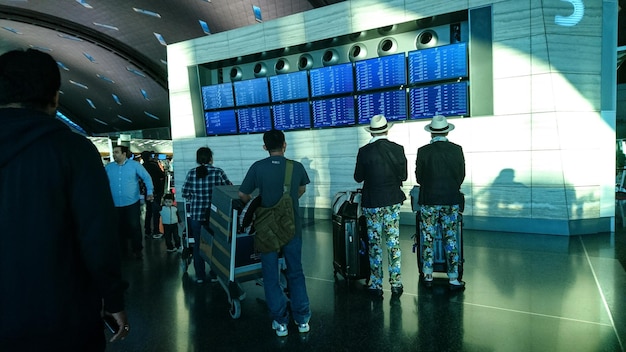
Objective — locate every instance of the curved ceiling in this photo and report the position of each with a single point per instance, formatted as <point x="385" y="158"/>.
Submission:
<point x="112" y="53"/>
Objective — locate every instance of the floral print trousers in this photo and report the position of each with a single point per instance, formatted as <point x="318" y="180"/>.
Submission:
<point x="384" y="222"/>
<point x="444" y="218"/>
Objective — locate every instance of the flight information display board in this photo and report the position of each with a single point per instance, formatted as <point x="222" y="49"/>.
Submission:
<point x="290" y="86"/>
<point x="252" y="91"/>
<point x="444" y="99"/>
<point x="253" y="120"/>
<point x="380" y="72"/>
<point x="218" y="96"/>
<point x="332" y="80"/>
<point x="333" y="112"/>
<point x="220" y="122"/>
<point x="292" y="116"/>
<point x="391" y="104"/>
<point x="439" y="63"/>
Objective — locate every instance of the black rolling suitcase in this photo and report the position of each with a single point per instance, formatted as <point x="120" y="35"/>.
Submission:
<point x="350" y="243"/>
<point x="440" y="264"/>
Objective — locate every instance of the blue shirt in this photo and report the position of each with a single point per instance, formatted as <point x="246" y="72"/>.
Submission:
<point x="124" y="182"/>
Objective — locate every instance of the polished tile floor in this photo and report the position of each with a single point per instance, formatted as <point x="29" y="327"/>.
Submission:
<point x="524" y="293"/>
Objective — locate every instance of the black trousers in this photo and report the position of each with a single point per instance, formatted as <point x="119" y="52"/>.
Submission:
<point x="151" y="224"/>
<point x="129" y="225"/>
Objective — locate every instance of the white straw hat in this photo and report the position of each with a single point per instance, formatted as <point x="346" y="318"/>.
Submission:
<point x="439" y="124"/>
<point x="378" y="124"/>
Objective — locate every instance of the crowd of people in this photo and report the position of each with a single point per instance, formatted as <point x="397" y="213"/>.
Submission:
<point x="78" y="258"/>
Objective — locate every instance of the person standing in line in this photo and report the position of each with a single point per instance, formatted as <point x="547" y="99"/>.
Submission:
<point x="124" y="175"/>
<point x="198" y="191"/>
<point x="268" y="176"/>
<point x="381" y="166"/>
<point x="169" y="215"/>
<point x="440" y="171"/>
<point x="151" y="223"/>
<point x="59" y="264"/>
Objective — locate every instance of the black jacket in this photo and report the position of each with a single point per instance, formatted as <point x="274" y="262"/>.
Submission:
<point x="59" y="250"/>
<point x="440" y="171"/>
<point x="381" y="166"/>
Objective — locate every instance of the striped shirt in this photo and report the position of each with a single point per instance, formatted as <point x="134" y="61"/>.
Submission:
<point x="199" y="191"/>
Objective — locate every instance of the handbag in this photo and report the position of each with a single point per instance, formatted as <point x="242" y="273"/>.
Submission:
<point x="275" y="226"/>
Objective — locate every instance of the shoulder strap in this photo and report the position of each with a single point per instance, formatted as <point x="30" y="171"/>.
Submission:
<point x="288" y="173"/>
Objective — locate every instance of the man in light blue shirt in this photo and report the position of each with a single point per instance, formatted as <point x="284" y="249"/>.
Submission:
<point x="124" y="175"/>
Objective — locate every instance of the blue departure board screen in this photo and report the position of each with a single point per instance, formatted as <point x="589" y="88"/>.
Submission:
<point x="333" y="112"/>
<point x="381" y="72"/>
<point x="439" y="63"/>
<point x="220" y="122"/>
<point x="331" y="80"/>
<point x="290" y="86"/>
<point x="444" y="99"/>
<point x="254" y="119"/>
<point x="252" y="91"/>
<point x="292" y="116"/>
<point x="391" y="104"/>
<point x="218" y="96"/>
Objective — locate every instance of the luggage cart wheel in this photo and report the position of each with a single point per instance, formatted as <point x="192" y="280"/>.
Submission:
<point x="235" y="308"/>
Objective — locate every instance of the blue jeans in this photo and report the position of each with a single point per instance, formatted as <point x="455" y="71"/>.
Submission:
<point x="274" y="295"/>
<point x="198" y="262"/>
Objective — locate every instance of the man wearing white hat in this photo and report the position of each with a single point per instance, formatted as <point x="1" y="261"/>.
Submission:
<point x="381" y="166"/>
<point x="440" y="171"/>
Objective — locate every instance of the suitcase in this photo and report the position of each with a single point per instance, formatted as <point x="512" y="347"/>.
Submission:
<point x="440" y="264"/>
<point x="350" y="242"/>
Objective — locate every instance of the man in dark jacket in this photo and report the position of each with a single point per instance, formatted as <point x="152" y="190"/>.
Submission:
<point x="440" y="171"/>
<point x="59" y="255"/>
<point x="381" y="166"/>
<point x="151" y="224"/>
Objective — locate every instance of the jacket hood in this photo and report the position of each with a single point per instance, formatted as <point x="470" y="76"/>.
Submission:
<point x="23" y="127"/>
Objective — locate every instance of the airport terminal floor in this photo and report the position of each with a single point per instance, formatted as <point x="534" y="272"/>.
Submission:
<point x="524" y="292"/>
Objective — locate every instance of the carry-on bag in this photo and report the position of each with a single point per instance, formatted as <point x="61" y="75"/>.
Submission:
<point x="350" y="242"/>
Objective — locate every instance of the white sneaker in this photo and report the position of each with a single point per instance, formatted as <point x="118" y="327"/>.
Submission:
<point x="281" y="329"/>
<point x="156" y="236"/>
<point x="304" y="327"/>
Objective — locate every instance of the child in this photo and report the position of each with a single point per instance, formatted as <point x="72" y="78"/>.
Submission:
<point x="169" y="217"/>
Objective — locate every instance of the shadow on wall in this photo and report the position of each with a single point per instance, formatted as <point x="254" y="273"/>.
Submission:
<point x="504" y="197"/>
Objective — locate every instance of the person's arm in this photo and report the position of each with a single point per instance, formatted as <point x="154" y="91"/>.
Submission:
<point x="301" y="190"/>
<point x="359" y="173"/>
<point x="245" y="198"/>
<point x="147" y="180"/>
<point x="94" y="222"/>
<point x="403" y="166"/>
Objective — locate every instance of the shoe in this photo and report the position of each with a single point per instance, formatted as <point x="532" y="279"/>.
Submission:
<point x="456" y="284"/>
<point x="281" y="329"/>
<point x="428" y="280"/>
<point x="199" y="281"/>
<point x="396" y="291"/>
<point x="172" y="250"/>
<point x="212" y="276"/>
<point x="157" y="236"/>
<point x="304" y="327"/>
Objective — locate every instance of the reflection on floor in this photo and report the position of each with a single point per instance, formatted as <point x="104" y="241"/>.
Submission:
<point x="524" y="293"/>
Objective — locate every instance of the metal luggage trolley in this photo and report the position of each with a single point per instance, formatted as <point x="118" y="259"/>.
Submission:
<point x="234" y="262"/>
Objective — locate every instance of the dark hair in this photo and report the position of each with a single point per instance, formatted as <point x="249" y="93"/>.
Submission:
<point x="274" y="140"/>
<point x="204" y="155"/>
<point x="124" y="150"/>
<point x="146" y="155"/>
<point x="168" y="196"/>
<point x="29" y="77"/>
